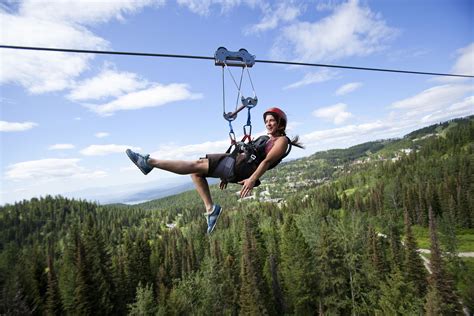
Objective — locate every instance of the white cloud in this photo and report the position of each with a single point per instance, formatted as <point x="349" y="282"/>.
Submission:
<point x="49" y="169"/>
<point x="430" y="106"/>
<point x="343" y="136"/>
<point x="101" y="134"/>
<point x="203" y="7"/>
<point x="60" y="24"/>
<point x="433" y="99"/>
<point x="102" y="150"/>
<point x="109" y="83"/>
<point x="61" y="146"/>
<point x="465" y="63"/>
<point x="90" y="175"/>
<point x="157" y="95"/>
<point x="284" y="12"/>
<point x="186" y="152"/>
<point x="40" y="72"/>
<point x="467" y="103"/>
<point x="348" y="88"/>
<point x="460" y="109"/>
<point x="325" y="5"/>
<point x="83" y="12"/>
<point x="313" y="77"/>
<point x="336" y="113"/>
<point x="16" y="126"/>
<point x="351" y="30"/>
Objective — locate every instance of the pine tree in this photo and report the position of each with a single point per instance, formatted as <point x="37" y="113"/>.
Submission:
<point x="413" y="266"/>
<point x="277" y="291"/>
<point x="121" y="283"/>
<point x="441" y="283"/>
<point x="17" y="304"/>
<point x="297" y="266"/>
<point x="455" y="265"/>
<point x="144" y="304"/>
<point x="433" y="304"/>
<point x="100" y="263"/>
<point x="68" y="272"/>
<point x="467" y="289"/>
<point x="33" y="279"/>
<point x="229" y="286"/>
<point x="464" y="201"/>
<point x="53" y="297"/>
<point x="172" y="258"/>
<point x="189" y="258"/>
<point x="137" y="263"/>
<point x="252" y="289"/>
<point x="86" y="299"/>
<point x="376" y="253"/>
<point x="394" y="239"/>
<point x="399" y="297"/>
<point x="350" y="235"/>
<point x="163" y="287"/>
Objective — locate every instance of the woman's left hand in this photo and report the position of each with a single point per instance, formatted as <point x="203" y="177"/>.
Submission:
<point x="248" y="185"/>
<point x="223" y="185"/>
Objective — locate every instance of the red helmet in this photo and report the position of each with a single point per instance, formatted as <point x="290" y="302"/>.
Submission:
<point x="277" y="112"/>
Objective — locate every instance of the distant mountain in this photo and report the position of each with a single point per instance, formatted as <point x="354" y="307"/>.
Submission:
<point x="134" y="193"/>
<point x="156" y="193"/>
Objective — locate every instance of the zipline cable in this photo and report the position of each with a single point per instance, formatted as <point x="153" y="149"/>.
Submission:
<point x="86" y="51"/>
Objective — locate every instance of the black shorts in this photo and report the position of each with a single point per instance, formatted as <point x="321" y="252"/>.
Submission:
<point x="232" y="170"/>
<point x="220" y="166"/>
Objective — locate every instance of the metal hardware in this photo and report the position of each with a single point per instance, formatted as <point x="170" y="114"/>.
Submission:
<point x="242" y="58"/>
<point x="249" y="102"/>
<point x="246" y="103"/>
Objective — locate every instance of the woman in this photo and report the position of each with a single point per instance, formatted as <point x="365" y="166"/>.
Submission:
<point x="222" y="165"/>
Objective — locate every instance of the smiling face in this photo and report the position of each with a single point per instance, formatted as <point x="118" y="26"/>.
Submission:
<point x="271" y="123"/>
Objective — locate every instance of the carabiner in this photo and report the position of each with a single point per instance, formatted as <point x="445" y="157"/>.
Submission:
<point x="247" y="135"/>
<point x="233" y="141"/>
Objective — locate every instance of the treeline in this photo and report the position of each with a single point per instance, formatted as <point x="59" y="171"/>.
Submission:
<point x="350" y="154"/>
<point x="312" y="258"/>
<point x="345" y="247"/>
<point x="440" y="174"/>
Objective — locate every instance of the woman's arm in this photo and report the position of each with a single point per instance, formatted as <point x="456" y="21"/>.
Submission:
<point x="277" y="151"/>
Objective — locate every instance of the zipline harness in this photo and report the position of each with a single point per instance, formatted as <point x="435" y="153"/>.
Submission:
<point x="247" y="154"/>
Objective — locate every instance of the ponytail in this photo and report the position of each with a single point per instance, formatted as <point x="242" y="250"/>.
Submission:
<point x="295" y="141"/>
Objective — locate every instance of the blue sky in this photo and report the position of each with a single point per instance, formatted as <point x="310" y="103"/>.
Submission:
<point x="66" y="119"/>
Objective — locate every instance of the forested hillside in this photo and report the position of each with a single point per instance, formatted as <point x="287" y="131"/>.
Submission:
<point x="333" y="233"/>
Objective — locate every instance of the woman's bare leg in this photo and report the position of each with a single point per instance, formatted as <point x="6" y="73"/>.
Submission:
<point x="202" y="188"/>
<point x="197" y="169"/>
<point x="200" y="166"/>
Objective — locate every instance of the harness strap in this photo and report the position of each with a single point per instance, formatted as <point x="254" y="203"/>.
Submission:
<point x="248" y="134"/>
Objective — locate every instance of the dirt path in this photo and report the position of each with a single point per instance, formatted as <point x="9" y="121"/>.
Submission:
<point x="461" y="254"/>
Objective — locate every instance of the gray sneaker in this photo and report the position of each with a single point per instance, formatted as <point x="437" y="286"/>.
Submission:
<point x="140" y="161"/>
<point x="212" y="218"/>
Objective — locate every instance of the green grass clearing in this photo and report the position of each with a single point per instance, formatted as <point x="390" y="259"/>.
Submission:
<point x="465" y="238"/>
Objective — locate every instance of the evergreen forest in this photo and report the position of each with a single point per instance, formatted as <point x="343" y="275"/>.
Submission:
<point x="334" y="233"/>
